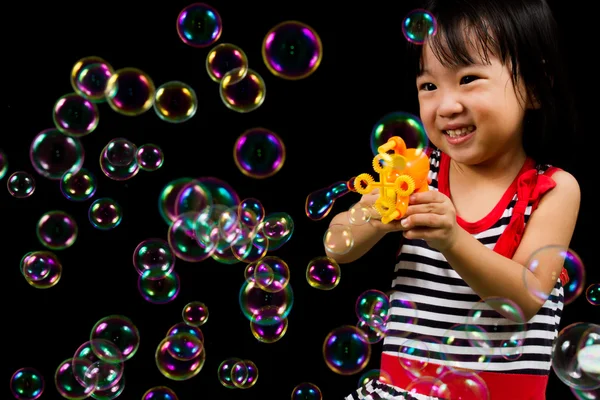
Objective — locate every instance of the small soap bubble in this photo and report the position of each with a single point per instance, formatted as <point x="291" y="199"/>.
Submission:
<point x="269" y="333"/>
<point x="323" y="273"/>
<point x="154" y="258"/>
<point x="57" y="230"/>
<point x="404" y="125"/>
<point x="75" y="115"/>
<point x="41" y="269"/>
<point x="118" y="159"/>
<point x="592" y="294"/>
<point x="130" y="92"/>
<point x="3" y="164"/>
<point x="159" y="291"/>
<point x="242" y="95"/>
<point x="78" y="186"/>
<point x="27" y="384"/>
<point x="195" y="313"/>
<point x="549" y="260"/>
<point x="199" y="25"/>
<point x="346" y="351"/>
<point x="338" y="239"/>
<point x="119" y="330"/>
<point x="88" y="77"/>
<point x="150" y="157"/>
<point x="66" y="383"/>
<point x="105" y="214"/>
<point x="359" y="214"/>
<point x="91" y="81"/>
<point x="306" y="391"/>
<point x="174" y="368"/>
<point x="226" y="57"/>
<point x="418" y="25"/>
<point x="20" y="184"/>
<point x="175" y="102"/>
<point x="160" y="393"/>
<point x="292" y="50"/>
<point x="259" y="153"/>
<point x="52" y="154"/>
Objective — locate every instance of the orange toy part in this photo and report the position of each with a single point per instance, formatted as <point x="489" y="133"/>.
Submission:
<point x="401" y="173"/>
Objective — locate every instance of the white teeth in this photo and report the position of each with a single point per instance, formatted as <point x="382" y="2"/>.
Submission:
<point x="460" y="132"/>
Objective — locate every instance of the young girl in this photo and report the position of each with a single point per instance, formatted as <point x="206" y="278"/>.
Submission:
<point x="491" y="98"/>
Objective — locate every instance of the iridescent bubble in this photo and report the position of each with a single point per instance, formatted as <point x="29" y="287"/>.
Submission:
<point x="150" y="157"/>
<point x="3" y="164"/>
<point x="53" y="153"/>
<point x="105" y="214"/>
<point x="374" y="375"/>
<point x="168" y="198"/>
<point x="226" y="57"/>
<point x="192" y="238"/>
<point x="74" y="115"/>
<point x="160" y="393"/>
<point x="87" y="365"/>
<point x="27" y="384"/>
<point x="250" y="212"/>
<point x="182" y="327"/>
<point x="480" y="353"/>
<point x="159" y="291"/>
<point x="592" y="294"/>
<point x="269" y="333"/>
<point x="548" y="260"/>
<point x="271" y="273"/>
<point x="372" y="303"/>
<point x="41" y="269"/>
<point x="57" y="230"/>
<point x="175" y="102"/>
<point x="252" y="372"/>
<point x="78" y="186"/>
<point x="323" y="273"/>
<point x="419" y="25"/>
<point x="118" y="159"/>
<point x="174" y="368"/>
<point x="130" y="92"/>
<point x="306" y="391"/>
<point x="20" y="184"/>
<point x="89" y="77"/>
<point x="242" y="95"/>
<point x="404" y="125"/>
<point x="199" y="25"/>
<point x="119" y="330"/>
<point x="195" y="313"/>
<point x="292" y="50"/>
<point x="185" y="346"/>
<point x="224" y="372"/>
<point x="111" y="393"/>
<point x="320" y="202"/>
<point x="359" y="214"/>
<point x="458" y="385"/>
<point x="567" y="365"/>
<point x="338" y="239"/>
<point x="154" y="258"/>
<point x="345" y="350"/>
<point x="278" y="228"/>
<point x="265" y="307"/>
<point x="259" y="153"/>
<point x="66" y="383"/>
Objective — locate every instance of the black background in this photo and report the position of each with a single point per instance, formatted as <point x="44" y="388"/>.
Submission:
<point x="325" y="122"/>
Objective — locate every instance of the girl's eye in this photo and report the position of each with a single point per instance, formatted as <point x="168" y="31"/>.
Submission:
<point x="469" y="78"/>
<point x="427" y="87"/>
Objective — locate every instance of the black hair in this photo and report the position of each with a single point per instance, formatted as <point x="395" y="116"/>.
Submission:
<point x="523" y="33"/>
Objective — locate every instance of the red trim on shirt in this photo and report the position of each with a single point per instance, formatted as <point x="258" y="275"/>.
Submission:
<point x="499" y="385"/>
<point x="489" y="220"/>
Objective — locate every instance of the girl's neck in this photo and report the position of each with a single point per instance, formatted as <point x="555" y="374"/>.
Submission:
<point x="503" y="168"/>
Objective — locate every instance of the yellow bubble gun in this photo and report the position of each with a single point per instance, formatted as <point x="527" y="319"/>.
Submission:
<point x="402" y="172"/>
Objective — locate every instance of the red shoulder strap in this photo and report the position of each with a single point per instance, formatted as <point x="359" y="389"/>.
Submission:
<point x="531" y="186"/>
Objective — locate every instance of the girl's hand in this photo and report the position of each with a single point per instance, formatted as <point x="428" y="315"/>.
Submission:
<point x="431" y="216"/>
<point x="368" y="200"/>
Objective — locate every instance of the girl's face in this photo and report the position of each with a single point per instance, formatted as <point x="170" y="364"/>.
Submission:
<point x="481" y="99"/>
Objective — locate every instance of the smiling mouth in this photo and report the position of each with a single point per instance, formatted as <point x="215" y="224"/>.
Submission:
<point x="456" y="133"/>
